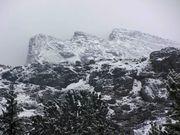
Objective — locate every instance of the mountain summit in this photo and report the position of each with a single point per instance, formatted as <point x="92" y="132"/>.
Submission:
<point x="122" y="44"/>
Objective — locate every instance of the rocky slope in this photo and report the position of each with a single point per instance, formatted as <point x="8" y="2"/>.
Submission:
<point x="129" y="70"/>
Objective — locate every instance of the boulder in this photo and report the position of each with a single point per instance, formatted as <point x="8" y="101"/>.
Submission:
<point x="153" y="90"/>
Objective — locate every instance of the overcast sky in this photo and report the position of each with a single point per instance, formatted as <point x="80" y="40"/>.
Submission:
<point x="20" y="19"/>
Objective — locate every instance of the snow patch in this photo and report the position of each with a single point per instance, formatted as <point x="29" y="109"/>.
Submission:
<point x="106" y="97"/>
<point x="27" y="113"/>
<point x="80" y="85"/>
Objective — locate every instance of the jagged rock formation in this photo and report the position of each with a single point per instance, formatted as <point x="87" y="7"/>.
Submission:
<point x="122" y="44"/>
<point x="119" y="68"/>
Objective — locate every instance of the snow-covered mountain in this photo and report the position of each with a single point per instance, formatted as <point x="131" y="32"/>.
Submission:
<point x="122" y="44"/>
<point x="129" y="70"/>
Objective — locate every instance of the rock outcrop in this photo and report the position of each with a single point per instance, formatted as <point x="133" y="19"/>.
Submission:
<point x="166" y="59"/>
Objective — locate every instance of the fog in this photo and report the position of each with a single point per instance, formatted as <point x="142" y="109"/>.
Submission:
<point x="21" y="19"/>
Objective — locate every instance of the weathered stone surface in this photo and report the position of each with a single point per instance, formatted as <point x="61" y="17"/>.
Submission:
<point x="153" y="90"/>
<point x="166" y="59"/>
<point x="57" y="76"/>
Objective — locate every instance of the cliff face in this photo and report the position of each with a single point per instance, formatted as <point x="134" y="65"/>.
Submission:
<point x="131" y="82"/>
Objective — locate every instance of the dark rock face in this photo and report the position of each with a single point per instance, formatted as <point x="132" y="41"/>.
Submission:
<point x="9" y="76"/>
<point x="102" y="80"/>
<point x="57" y="76"/>
<point x="166" y="59"/>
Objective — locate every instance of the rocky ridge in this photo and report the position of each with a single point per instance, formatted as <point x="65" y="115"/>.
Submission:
<point x="122" y="44"/>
